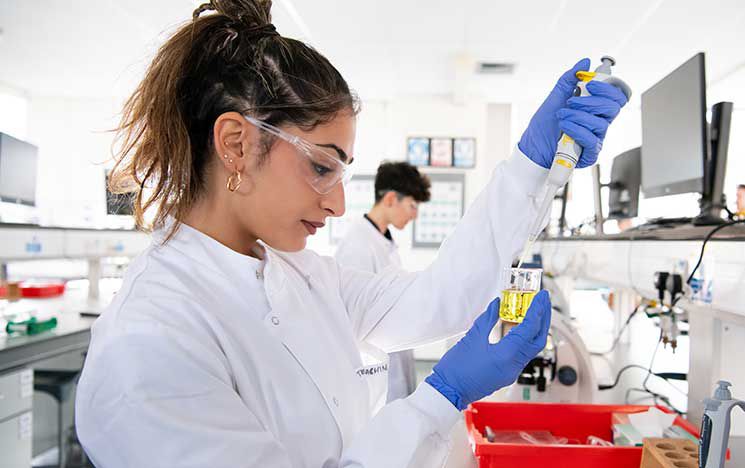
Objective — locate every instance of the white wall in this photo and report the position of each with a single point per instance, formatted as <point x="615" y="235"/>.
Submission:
<point x="74" y="148"/>
<point x="14" y="106"/>
<point x="383" y="127"/>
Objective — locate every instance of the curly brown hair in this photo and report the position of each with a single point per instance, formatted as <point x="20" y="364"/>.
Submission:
<point x="402" y="178"/>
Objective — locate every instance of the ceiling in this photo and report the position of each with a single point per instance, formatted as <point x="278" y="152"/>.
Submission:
<point x="385" y="48"/>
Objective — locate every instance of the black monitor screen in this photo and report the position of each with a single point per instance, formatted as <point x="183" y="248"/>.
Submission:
<point x="674" y="131"/>
<point x="624" y="185"/>
<point x="18" y="161"/>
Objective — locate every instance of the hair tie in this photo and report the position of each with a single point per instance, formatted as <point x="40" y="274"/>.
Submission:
<point x="260" y="32"/>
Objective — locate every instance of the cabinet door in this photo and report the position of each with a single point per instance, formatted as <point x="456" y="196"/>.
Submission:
<point x="15" y="441"/>
<point x="16" y="391"/>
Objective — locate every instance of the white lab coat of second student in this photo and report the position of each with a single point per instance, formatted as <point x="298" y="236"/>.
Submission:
<point x="207" y="357"/>
<point x="365" y="248"/>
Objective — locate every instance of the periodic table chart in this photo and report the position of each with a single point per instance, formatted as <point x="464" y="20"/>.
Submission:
<point x="360" y="197"/>
<point x="438" y="218"/>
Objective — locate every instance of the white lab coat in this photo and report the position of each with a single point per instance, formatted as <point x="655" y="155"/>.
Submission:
<point x="365" y="248"/>
<point x="210" y="358"/>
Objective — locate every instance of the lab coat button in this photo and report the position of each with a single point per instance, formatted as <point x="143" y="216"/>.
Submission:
<point x="259" y="275"/>
<point x="336" y="401"/>
<point x="275" y="320"/>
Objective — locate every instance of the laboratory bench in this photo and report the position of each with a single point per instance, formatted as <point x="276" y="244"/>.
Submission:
<point x="626" y="263"/>
<point x="71" y="335"/>
<point x="28" y="418"/>
<point x="60" y="351"/>
<point x="664" y="232"/>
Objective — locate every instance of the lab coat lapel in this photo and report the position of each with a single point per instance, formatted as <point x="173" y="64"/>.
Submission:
<point x="306" y="336"/>
<point x="386" y="251"/>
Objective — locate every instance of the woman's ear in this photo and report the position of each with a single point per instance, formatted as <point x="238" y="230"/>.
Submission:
<point x="233" y="137"/>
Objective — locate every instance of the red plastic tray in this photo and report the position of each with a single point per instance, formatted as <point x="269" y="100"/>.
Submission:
<point x="574" y="422"/>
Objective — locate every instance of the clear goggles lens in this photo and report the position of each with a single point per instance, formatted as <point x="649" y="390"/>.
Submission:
<point x="319" y="167"/>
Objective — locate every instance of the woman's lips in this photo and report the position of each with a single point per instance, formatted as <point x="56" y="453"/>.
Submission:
<point x="312" y="226"/>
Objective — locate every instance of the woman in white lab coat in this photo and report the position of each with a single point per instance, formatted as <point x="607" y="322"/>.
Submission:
<point x="228" y="344"/>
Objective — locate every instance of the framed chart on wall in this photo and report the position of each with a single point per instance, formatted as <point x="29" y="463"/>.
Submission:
<point x="441" y="152"/>
<point x="464" y="152"/>
<point x="417" y="151"/>
<point x="360" y="197"/>
<point x="438" y="217"/>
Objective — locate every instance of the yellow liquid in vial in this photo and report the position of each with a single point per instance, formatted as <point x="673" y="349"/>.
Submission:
<point x="514" y="305"/>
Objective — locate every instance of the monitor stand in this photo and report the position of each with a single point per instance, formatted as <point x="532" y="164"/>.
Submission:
<point x="713" y="200"/>
<point x="708" y="219"/>
<point x="665" y="222"/>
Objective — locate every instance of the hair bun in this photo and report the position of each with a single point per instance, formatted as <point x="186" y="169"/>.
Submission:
<point x="251" y="13"/>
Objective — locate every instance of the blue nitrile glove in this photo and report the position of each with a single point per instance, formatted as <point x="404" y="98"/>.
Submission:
<point x="474" y="368"/>
<point x="585" y="119"/>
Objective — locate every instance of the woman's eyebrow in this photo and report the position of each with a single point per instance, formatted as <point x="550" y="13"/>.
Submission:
<point x="342" y="155"/>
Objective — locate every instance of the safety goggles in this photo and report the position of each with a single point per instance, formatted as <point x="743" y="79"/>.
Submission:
<point x="321" y="168"/>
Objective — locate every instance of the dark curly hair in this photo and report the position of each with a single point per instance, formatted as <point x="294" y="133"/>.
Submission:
<point x="402" y="178"/>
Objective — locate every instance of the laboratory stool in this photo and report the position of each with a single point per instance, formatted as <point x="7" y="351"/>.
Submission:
<point x="59" y="384"/>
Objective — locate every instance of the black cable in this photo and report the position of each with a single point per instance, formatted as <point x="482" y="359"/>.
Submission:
<point x="628" y="266"/>
<point x="646" y="389"/>
<point x="651" y="363"/>
<point x="618" y="336"/>
<point x="656" y="396"/>
<point x="666" y="376"/>
<point x="672" y="375"/>
<point x="706" y="239"/>
<point x="701" y="255"/>
<point x="618" y="376"/>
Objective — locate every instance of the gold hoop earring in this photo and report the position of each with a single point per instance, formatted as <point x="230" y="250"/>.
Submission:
<point x="234" y="181"/>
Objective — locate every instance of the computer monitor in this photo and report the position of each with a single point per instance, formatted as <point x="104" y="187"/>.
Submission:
<point x="18" y="162"/>
<point x="674" y="132"/>
<point x="118" y="203"/>
<point x="625" y="180"/>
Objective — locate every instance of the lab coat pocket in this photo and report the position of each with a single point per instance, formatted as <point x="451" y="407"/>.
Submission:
<point x="374" y="373"/>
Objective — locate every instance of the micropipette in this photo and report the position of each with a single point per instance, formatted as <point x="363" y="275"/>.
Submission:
<point x="568" y="152"/>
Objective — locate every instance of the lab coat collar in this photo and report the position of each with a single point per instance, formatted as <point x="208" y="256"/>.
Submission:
<point x="386" y="234"/>
<point x="210" y="253"/>
<point x="373" y="233"/>
<point x="234" y="265"/>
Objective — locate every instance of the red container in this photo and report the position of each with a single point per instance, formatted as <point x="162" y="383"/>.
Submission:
<point x="575" y="422"/>
<point x="38" y="290"/>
